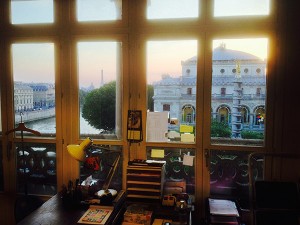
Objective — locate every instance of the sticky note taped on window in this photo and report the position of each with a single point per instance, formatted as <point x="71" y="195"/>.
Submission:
<point x="186" y="129"/>
<point x="157" y="153"/>
<point x="188" y="160"/>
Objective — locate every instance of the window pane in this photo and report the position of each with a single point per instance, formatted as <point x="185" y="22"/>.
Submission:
<point x="34" y="87"/>
<point x="179" y="169"/>
<point x="99" y="163"/>
<point x="99" y="69"/>
<point x="229" y="174"/>
<point x="238" y="109"/>
<point x="97" y="10"/>
<point x="36" y="11"/>
<point x="163" y="9"/>
<point x="39" y="163"/>
<point x="241" y="7"/>
<point x="171" y="80"/>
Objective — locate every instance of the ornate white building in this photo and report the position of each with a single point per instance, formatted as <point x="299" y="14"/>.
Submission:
<point x="178" y="94"/>
<point x="31" y="96"/>
<point x="23" y="97"/>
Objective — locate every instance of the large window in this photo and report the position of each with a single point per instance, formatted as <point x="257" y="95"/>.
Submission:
<point x="197" y="70"/>
<point x="34" y="87"/>
<point x="34" y="106"/>
<point x="167" y="74"/>
<point x="36" y="168"/>
<point x="99" y="69"/>
<point x="240" y="59"/>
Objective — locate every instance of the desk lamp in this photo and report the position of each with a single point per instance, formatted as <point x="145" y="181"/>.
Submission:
<point x="79" y="152"/>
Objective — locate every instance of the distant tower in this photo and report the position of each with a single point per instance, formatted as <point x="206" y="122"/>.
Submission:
<point x="102" y="81"/>
<point x="236" y="116"/>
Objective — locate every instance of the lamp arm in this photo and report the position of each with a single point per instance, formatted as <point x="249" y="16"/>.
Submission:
<point x="111" y="173"/>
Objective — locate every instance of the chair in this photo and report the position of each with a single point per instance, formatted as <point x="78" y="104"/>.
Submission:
<point x="274" y="202"/>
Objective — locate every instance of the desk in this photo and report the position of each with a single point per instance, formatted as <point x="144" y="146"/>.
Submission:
<point x="53" y="212"/>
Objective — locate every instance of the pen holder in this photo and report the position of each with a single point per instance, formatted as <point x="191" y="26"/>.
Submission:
<point x="71" y="199"/>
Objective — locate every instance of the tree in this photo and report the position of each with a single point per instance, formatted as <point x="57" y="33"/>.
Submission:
<point x="150" y="97"/>
<point x="220" y="129"/>
<point x="99" y="107"/>
<point x="82" y="95"/>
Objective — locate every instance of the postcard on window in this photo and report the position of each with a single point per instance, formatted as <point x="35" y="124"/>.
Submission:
<point x="96" y="215"/>
<point x="134" y="126"/>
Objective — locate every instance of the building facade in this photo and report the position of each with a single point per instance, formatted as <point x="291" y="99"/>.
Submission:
<point x="28" y="97"/>
<point x="178" y="94"/>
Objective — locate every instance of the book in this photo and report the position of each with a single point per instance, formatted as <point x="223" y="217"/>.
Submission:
<point x="222" y="207"/>
<point x="96" y="214"/>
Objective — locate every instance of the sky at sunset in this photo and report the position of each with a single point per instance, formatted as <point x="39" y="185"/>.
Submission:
<point x="37" y="63"/>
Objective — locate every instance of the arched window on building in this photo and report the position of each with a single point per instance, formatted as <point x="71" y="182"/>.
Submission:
<point x="245" y="115"/>
<point x="166" y="107"/>
<point x="188" y="114"/>
<point x="223" y="114"/>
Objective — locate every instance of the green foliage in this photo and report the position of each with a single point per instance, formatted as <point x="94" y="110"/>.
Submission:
<point x="150" y="94"/>
<point x="220" y="129"/>
<point x="246" y="134"/>
<point x="99" y="107"/>
<point x="82" y="95"/>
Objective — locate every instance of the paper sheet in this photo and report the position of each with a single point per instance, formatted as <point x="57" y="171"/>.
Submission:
<point x="157" y="126"/>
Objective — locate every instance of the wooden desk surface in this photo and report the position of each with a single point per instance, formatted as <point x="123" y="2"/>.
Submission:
<point x="53" y="212"/>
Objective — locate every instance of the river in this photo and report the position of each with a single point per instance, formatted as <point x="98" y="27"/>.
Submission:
<point x="48" y="126"/>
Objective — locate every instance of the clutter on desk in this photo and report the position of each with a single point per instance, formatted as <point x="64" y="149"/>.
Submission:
<point x="86" y="193"/>
<point x="71" y="194"/>
<point x="138" y="214"/>
<point x="96" y="215"/>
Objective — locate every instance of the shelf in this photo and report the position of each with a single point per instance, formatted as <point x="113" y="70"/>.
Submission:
<point x="143" y="196"/>
<point x="143" y="189"/>
<point x="145" y="181"/>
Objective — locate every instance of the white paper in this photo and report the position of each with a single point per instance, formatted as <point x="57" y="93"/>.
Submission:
<point x="157" y="126"/>
<point x="188" y="160"/>
<point x="222" y="207"/>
